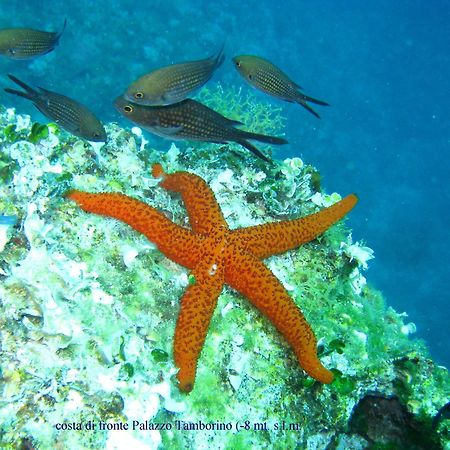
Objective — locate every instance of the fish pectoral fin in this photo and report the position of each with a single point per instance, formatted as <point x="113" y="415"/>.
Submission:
<point x="169" y="131"/>
<point x="168" y="99"/>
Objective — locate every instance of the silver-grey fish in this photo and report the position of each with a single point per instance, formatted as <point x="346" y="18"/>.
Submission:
<point x="191" y="120"/>
<point x="267" y="77"/>
<point x="173" y="83"/>
<point x="71" y="115"/>
<point x="26" y="43"/>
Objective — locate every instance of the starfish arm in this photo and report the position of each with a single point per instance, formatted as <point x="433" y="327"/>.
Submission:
<point x="196" y="308"/>
<point x="203" y="210"/>
<point x="254" y="280"/>
<point x="177" y="243"/>
<point x="269" y="239"/>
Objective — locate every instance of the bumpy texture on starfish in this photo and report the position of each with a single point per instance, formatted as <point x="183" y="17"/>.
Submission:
<point x="217" y="255"/>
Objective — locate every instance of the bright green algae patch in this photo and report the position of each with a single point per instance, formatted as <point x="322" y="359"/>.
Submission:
<point x="88" y="309"/>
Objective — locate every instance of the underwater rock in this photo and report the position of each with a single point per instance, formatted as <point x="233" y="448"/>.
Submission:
<point x="88" y="308"/>
<point x="385" y="421"/>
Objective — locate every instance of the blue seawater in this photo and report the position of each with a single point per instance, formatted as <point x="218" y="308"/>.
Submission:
<point x="383" y="66"/>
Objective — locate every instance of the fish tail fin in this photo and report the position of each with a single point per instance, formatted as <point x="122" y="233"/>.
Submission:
<point x="16" y="92"/>
<point x="219" y="57"/>
<point x="60" y="33"/>
<point x="253" y="149"/>
<point x="244" y="136"/>
<point x="275" y="140"/>
<point x="29" y="93"/>
<point x="314" y="100"/>
<point x="302" y="99"/>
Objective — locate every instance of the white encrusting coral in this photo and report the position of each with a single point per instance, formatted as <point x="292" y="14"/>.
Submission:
<point x="357" y="252"/>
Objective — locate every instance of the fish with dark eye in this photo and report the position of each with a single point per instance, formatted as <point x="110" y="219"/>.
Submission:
<point x="172" y="84"/>
<point x="193" y="121"/>
<point x="27" y="43"/>
<point x="267" y="77"/>
<point x="69" y="114"/>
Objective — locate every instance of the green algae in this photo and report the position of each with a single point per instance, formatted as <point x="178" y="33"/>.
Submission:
<point x="36" y="133"/>
<point x="159" y="355"/>
<point x="88" y="307"/>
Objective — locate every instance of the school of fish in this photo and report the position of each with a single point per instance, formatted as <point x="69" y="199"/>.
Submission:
<point x="157" y="101"/>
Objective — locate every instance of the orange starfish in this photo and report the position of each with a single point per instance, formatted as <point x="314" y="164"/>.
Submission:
<point x="217" y="255"/>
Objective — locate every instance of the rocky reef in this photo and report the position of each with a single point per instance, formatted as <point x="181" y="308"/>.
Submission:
<point x="88" y="309"/>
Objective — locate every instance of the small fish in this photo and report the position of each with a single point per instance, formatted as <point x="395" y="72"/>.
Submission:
<point x="172" y="84"/>
<point x="26" y="43"/>
<point x="191" y="120"/>
<point x="266" y="77"/>
<point x="71" y="115"/>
